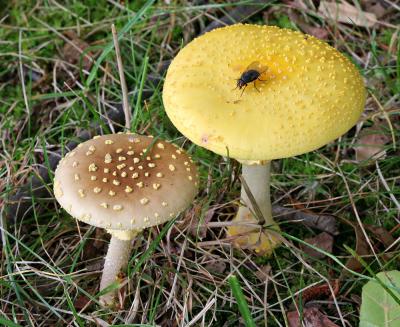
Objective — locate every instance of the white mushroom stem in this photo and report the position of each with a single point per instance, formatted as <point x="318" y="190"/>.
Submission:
<point x="257" y="177"/>
<point x="116" y="260"/>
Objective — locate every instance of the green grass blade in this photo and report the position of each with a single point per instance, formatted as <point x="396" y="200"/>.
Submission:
<point x="110" y="45"/>
<point x="8" y="323"/>
<point x="241" y="301"/>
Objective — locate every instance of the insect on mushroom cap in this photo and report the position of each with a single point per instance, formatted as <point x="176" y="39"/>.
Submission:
<point x="308" y="93"/>
<point x="113" y="199"/>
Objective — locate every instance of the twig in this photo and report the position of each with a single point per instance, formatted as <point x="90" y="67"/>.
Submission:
<point x="125" y="102"/>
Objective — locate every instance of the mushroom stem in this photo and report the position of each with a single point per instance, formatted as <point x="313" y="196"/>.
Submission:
<point x="257" y="178"/>
<point x="117" y="259"/>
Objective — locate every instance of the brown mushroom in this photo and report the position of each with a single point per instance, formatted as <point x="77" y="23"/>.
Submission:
<point x="124" y="183"/>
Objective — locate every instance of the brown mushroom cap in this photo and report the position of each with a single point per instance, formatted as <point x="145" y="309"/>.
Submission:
<point x="125" y="181"/>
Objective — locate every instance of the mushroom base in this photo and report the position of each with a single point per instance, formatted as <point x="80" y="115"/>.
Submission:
<point x="264" y="236"/>
<point x="116" y="260"/>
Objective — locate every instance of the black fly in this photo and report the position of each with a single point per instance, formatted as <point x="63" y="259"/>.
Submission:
<point x="251" y="74"/>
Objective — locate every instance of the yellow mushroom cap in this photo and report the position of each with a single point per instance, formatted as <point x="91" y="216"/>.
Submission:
<point x="125" y="181"/>
<point x="309" y="95"/>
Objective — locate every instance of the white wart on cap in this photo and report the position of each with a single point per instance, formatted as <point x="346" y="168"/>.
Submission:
<point x="125" y="181"/>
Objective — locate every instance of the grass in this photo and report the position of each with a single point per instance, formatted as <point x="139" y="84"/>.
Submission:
<point x="178" y="273"/>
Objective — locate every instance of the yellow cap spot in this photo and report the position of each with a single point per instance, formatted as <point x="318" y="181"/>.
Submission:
<point x="186" y="163"/>
<point x="132" y="221"/>
<point x="93" y="178"/>
<point x="97" y="190"/>
<point x="93" y="167"/>
<point x="117" y="207"/>
<point x="75" y="164"/>
<point x="116" y="182"/>
<point x="135" y="175"/>
<point x="148" y="158"/>
<point x="164" y="204"/>
<point x="88" y="153"/>
<point x="108" y="141"/>
<point x="151" y="165"/>
<point x="146" y="174"/>
<point x="104" y="205"/>
<point x="188" y="169"/>
<point x="111" y="193"/>
<point x="130" y="153"/>
<point x="57" y="189"/>
<point x="156" y="214"/>
<point x="105" y="180"/>
<point x="128" y="189"/>
<point x="121" y="166"/>
<point x="136" y="160"/>
<point x="140" y="184"/>
<point x="107" y="158"/>
<point x="121" y="158"/>
<point x="124" y="173"/>
<point x="156" y="186"/>
<point x="92" y="148"/>
<point x="160" y="146"/>
<point x="76" y="177"/>
<point x="178" y="151"/>
<point x="131" y="168"/>
<point x="96" y="137"/>
<point x="157" y="156"/>
<point x="173" y="156"/>
<point x="119" y="150"/>
<point x="81" y="193"/>
<point x="106" y="170"/>
<point x="171" y="167"/>
<point x="144" y="201"/>
<point x="159" y="175"/>
<point x="146" y="219"/>
<point x="140" y="167"/>
<point x="190" y="177"/>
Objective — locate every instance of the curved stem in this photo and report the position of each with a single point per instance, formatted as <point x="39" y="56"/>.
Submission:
<point x="117" y="259"/>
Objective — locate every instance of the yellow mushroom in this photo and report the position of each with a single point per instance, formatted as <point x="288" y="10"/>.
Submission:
<point x="305" y="95"/>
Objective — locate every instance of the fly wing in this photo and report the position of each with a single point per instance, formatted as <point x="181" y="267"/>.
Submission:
<point x="256" y="65"/>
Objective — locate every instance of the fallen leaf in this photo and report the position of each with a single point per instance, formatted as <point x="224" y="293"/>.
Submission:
<point x="346" y="13"/>
<point x="263" y="273"/>
<point x="371" y="144"/>
<point x="81" y="302"/>
<point x="306" y="217"/>
<point x="320" y="291"/>
<point x="379" y="8"/>
<point x="318" y="32"/>
<point x="362" y="247"/>
<point x="312" y="317"/>
<point x="381" y="234"/>
<point x="323" y="241"/>
<point x="216" y="267"/>
<point x="74" y="51"/>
